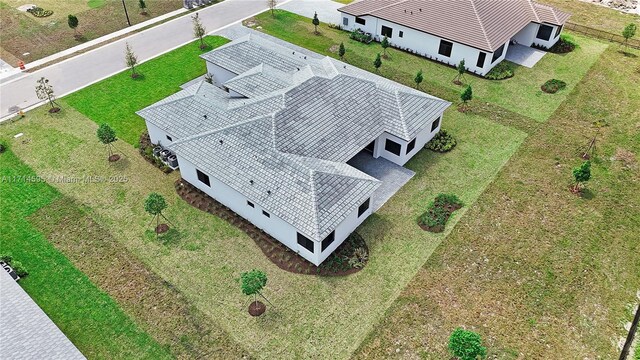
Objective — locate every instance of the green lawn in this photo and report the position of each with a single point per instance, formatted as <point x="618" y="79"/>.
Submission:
<point x="116" y="99"/>
<point x="88" y="316"/>
<point x="520" y="94"/>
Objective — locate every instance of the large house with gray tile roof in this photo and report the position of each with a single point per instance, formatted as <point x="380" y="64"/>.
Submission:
<point x="271" y="135"/>
<point x="478" y="31"/>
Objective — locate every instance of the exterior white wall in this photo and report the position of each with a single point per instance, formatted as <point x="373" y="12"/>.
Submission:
<point x="158" y="135"/>
<point x="220" y="75"/>
<point x="273" y="225"/>
<point x="527" y="35"/>
<point x="546" y="43"/>
<point x="421" y="139"/>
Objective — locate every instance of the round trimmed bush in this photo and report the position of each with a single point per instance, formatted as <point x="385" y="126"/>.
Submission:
<point x="553" y="86"/>
<point x="39" y="12"/>
<point x="502" y="71"/>
<point x="442" y="142"/>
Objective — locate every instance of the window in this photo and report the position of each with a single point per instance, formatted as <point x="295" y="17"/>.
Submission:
<point x="558" y="31"/>
<point x="481" y="57"/>
<point x="364" y="207"/>
<point x="266" y="214"/>
<point x="411" y="145"/>
<point x="445" y="48"/>
<point x="497" y="54"/>
<point x="544" y="32"/>
<point x="250" y="204"/>
<point x="387" y="31"/>
<point x="392" y="147"/>
<point x="360" y="21"/>
<point x="305" y="242"/>
<point x="435" y="125"/>
<point x="169" y="138"/>
<point x="345" y="21"/>
<point x="401" y="34"/>
<point x="204" y="178"/>
<point x="328" y="240"/>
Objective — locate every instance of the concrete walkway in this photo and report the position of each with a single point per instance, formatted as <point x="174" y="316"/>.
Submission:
<point x="80" y="71"/>
<point x="524" y="55"/>
<point x="393" y="176"/>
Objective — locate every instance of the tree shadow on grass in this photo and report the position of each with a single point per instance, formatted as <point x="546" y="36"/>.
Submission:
<point x="171" y="238"/>
<point x="587" y="194"/>
<point x="627" y="54"/>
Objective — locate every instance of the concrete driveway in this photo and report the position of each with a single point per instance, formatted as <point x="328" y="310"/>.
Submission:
<point x="524" y="55"/>
<point x="327" y="9"/>
<point x="393" y="176"/>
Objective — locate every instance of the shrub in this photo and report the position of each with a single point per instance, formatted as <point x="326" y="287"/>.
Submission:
<point x="466" y="345"/>
<point x="442" y="142"/>
<point x="503" y="70"/>
<point x="361" y="36"/>
<point x="447" y="200"/>
<point x="359" y="258"/>
<point x="553" y="86"/>
<point x="439" y="211"/>
<point x="39" y="12"/>
<point x="3" y="147"/>
<point x="566" y="44"/>
<point x="16" y="265"/>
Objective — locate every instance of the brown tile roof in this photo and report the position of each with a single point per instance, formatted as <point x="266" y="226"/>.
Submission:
<point x="483" y="24"/>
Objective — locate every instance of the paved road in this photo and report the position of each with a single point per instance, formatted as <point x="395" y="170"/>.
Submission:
<point x="82" y="70"/>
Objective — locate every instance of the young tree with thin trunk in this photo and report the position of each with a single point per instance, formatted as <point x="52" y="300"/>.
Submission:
<point x="107" y="136"/>
<point x="73" y="22"/>
<point x="377" y="62"/>
<point x="143" y="7"/>
<point x="199" y="31"/>
<point x="272" y="6"/>
<point x="316" y="23"/>
<point x="461" y="69"/>
<point x="155" y="205"/>
<point x="418" y="79"/>
<point x="252" y="283"/>
<point x="466" y="95"/>
<point x="581" y="174"/>
<point x="629" y="32"/>
<point x="385" y="45"/>
<point x="341" y="51"/>
<point x="44" y="91"/>
<point x="131" y="60"/>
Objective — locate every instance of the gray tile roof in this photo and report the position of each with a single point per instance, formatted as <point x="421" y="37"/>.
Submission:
<point x="295" y="130"/>
<point x="26" y="332"/>
<point x="483" y="24"/>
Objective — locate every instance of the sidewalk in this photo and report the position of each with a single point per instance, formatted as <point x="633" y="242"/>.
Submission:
<point x="82" y="70"/>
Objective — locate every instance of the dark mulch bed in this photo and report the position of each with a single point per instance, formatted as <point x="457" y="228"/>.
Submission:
<point x="146" y="150"/>
<point x="114" y="158"/>
<point x="553" y="86"/>
<point x="449" y="209"/>
<point x="439" y="212"/>
<point x="162" y="228"/>
<point x="257" y="308"/>
<point x="54" y="110"/>
<point x="337" y="264"/>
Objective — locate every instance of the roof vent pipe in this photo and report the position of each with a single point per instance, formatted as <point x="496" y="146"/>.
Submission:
<point x="268" y="192"/>
<point x="205" y="116"/>
<point x="221" y="142"/>
<point x="251" y="182"/>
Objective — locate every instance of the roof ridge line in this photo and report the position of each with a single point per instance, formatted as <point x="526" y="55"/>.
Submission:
<point x="155" y="105"/>
<point x="484" y="32"/>
<point x="314" y="201"/>
<point x="404" y="123"/>
<point x="213" y="131"/>
<point x="533" y="8"/>
<point x="386" y="6"/>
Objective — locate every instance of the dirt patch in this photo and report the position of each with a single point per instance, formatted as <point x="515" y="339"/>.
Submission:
<point x="626" y="157"/>
<point x="54" y="110"/>
<point x="350" y="257"/>
<point x="156" y="305"/>
<point x="448" y="210"/>
<point x="114" y="158"/>
<point x="162" y="228"/>
<point x="334" y="49"/>
<point x="257" y="308"/>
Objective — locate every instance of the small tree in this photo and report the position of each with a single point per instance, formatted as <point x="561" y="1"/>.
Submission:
<point x="385" y="45"/>
<point x="315" y="23"/>
<point x="629" y="32"/>
<point x="418" y="79"/>
<point x="72" y="20"/>
<point x="143" y="7"/>
<point x="154" y="205"/>
<point x="377" y="62"/>
<point x="272" y="6"/>
<point x="341" y="51"/>
<point x="45" y="92"/>
<point x="252" y="283"/>
<point x="107" y="136"/>
<point x="466" y="345"/>
<point x="466" y="95"/>
<point x="131" y="60"/>
<point x="581" y="174"/>
<point x="199" y="31"/>
<point x="461" y="69"/>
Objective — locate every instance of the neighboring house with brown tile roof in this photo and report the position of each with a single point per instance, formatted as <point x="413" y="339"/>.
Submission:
<point x="271" y="137"/>
<point x="478" y="31"/>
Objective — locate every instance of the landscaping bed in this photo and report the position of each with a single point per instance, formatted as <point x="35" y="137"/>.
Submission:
<point x="146" y="150"/>
<point x="502" y="71"/>
<point x="350" y="257"/>
<point x="566" y="44"/>
<point x="553" y="86"/>
<point x="438" y="212"/>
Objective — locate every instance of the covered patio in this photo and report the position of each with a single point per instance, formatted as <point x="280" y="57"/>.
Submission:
<point x="393" y="176"/>
<point x="524" y="55"/>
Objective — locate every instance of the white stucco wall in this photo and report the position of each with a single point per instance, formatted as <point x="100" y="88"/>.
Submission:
<point x="421" y="139"/>
<point x="546" y="43"/>
<point x="158" y="135"/>
<point x="220" y="74"/>
<point x="273" y="225"/>
<point x="527" y="35"/>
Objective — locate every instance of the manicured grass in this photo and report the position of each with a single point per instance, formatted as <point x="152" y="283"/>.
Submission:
<point x="116" y="99"/>
<point x="520" y="94"/>
<point x="88" y="316"/>
<point x="538" y="271"/>
<point x="207" y="256"/>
